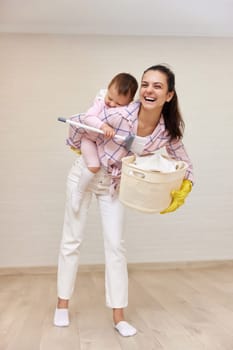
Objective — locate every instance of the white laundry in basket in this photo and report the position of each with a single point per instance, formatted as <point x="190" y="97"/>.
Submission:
<point x="156" y="162"/>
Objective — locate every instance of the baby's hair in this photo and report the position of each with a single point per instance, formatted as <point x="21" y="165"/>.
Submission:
<point x="126" y="84"/>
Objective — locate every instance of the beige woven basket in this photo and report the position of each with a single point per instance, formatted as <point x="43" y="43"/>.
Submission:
<point x="148" y="191"/>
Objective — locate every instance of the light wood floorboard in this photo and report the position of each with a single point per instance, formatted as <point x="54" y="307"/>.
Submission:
<point x="174" y="309"/>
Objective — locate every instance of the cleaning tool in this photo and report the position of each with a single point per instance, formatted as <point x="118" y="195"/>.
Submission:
<point x="128" y="140"/>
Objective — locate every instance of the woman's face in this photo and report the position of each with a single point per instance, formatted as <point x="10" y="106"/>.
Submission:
<point x="154" y="90"/>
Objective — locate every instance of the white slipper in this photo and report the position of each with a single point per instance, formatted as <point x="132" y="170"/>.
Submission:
<point x="125" y="329"/>
<point x="61" y="318"/>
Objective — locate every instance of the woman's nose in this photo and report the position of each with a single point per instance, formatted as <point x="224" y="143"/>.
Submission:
<point x="149" y="88"/>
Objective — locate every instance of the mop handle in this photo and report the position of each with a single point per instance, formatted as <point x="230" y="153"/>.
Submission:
<point x="87" y="127"/>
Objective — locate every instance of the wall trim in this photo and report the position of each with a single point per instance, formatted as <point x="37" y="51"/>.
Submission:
<point x="41" y="270"/>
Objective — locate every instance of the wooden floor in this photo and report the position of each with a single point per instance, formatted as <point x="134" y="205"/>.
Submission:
<point x="184" y="309"/>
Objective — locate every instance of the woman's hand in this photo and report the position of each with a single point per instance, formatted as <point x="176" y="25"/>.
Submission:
<point x="178" y="197"/>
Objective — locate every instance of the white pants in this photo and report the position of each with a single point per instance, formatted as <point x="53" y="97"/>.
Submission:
<point x="112" y="215"/>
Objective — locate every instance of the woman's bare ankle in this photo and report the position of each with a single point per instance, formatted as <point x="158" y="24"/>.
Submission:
<point x="118" y="315"/>
<point x="62" y="303"/>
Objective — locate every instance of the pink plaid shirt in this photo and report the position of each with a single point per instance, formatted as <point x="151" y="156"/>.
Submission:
<point x="125" y="121"/>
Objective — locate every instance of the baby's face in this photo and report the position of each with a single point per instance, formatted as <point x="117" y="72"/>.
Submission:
<point x="113" y="99"/>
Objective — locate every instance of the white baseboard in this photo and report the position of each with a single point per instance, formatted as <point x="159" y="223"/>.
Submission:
<point x="38" y="270"/>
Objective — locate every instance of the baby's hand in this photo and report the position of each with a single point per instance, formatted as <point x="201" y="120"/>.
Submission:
<point x="108" y="131"/>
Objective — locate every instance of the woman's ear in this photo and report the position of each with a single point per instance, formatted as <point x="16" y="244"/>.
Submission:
<point x="169" y="96"/>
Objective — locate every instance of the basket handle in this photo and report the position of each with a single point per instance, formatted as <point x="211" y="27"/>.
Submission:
<point x="137" y="173"/>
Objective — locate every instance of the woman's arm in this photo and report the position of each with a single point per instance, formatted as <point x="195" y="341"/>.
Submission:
<point x="177" y="150"/>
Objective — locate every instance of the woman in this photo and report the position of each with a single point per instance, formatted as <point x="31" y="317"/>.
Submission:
<point x="156" y="117"/>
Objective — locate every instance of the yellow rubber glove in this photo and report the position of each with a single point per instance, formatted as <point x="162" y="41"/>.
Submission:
<point x="76" y="150"/>
<point x="178" y="197"/>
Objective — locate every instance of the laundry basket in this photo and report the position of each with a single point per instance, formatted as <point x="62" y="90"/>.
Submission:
<point x="148" y="191"/>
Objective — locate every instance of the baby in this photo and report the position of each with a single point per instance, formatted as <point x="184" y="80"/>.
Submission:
<point x="120" y="92"/>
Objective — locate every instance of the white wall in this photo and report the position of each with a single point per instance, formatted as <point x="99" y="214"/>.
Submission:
<point x="47" y="76"/>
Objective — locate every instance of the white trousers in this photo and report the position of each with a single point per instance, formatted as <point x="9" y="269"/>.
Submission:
<point x="112" y="217"/>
